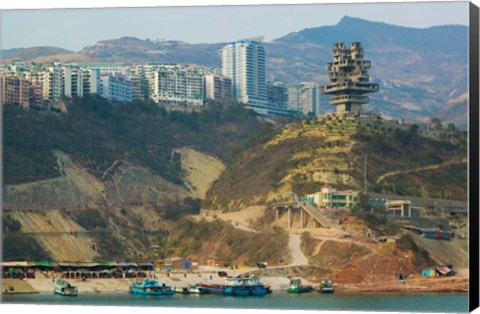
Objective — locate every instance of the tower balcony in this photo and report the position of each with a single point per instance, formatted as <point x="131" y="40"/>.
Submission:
<point x="342" y="99"/>
<point x="359" y="87"/>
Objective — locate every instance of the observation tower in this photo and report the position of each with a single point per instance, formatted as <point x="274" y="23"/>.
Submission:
<point x="349" y="79"/>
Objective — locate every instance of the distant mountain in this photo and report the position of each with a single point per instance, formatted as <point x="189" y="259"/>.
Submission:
<point x="417" y="69"/>
<point x="32" y="53"/>
<point x="421" y="72"/>
<point x="131" y="49"/>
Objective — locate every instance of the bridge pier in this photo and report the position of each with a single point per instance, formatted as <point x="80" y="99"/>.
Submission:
<point x="301" y="218"/>
<point x="289" y="217"/>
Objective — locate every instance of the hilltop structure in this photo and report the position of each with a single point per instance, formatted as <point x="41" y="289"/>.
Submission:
<point x="349" y="78"/>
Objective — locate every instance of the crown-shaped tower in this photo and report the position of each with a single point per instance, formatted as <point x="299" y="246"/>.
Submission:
<point x="349" y="78"/>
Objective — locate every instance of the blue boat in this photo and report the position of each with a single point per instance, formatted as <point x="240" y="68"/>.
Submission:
<point x="255" y="287"/>
<point x="236" y="286"/>
<point x="150" y="287"/>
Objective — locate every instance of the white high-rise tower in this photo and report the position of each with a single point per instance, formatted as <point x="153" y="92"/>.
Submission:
<point x="244" y="62"/>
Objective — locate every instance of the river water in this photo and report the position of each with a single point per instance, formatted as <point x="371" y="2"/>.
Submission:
<point x="277" y="300"/>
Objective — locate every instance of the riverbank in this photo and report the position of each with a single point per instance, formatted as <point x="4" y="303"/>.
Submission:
<point x="45" y="284"/>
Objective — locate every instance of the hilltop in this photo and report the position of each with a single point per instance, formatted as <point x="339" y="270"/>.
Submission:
<point x="305" y="155"/>
<point x="422" y="72"/>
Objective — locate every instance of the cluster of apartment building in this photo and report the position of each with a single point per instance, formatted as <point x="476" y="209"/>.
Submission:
<point x="242" y="78"/>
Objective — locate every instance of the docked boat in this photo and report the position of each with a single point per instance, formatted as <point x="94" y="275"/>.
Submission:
<point x="195" y="289"/>
<point x="236" y="286"/>
<point x="63" y="287"/>
<point x="297" y="287"/>
<point x="255" y="286"/>
<point x="211" y="289"/>
<point x="326" y="286"/>
<point x="150" y="287"/>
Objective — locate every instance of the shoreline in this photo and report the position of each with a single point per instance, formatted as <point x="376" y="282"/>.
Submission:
<point x="277" y="284"/>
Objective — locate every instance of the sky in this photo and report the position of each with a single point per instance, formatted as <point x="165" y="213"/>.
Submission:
<point x="74" y="29"/>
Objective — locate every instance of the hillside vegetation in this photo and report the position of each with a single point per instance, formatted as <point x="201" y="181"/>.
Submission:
<point x="307" y="154"/>
<point x="96" y="133"/>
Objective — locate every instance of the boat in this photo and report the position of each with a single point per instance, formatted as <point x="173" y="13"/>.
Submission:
<point x="195" y="289"/>
<point x="326" y="286"/>
<point x="63" y="287"/>
<point x="150" y="287"/>
<point x="297" y="287"/>
<point x="255" y="286"/>
<point x="236" y="286"/>
<point x="211" y="289"/>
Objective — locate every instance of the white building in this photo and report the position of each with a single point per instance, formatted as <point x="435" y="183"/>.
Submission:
<point x="115" y="87"/>
<point x="178" y="85"/>
<point x="304" y="97"/>
<point x="244" y="62"/>
<point x="401" y="208"/>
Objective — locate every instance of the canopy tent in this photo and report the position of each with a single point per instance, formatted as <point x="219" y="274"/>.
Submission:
<point x="14" y="264"/>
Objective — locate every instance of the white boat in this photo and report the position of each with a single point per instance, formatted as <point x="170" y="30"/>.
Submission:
<point x="63" y="287"/>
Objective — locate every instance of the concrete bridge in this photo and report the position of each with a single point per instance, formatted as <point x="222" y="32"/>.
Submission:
<point x="306" y="211"/>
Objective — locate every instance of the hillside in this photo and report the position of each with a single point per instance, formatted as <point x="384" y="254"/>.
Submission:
<point x="100" y="135"/>
<point x="305" y="155"/>
<point x="421" y="72"/>
<point x="89" y="179"/>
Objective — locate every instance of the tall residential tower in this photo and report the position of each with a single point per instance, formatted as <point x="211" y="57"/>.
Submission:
<point x="349" y="78"/>
<point x="244" y="62"/>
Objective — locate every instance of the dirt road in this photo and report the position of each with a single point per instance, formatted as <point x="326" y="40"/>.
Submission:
<point x="299" y="258"/>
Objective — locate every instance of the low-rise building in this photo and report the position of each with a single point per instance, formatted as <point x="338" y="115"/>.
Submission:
<point x="329" y="197"/>
<point x="401" y="208"/>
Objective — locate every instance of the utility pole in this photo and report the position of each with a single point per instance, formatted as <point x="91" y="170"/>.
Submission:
<point x="365" y="174"/>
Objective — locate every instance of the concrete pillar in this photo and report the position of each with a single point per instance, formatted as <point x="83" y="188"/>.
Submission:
<point x="276" y="213"/>
<point x="289" y="217"/>
<point x="301" y="218"/>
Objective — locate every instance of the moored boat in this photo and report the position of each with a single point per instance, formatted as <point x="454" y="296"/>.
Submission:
<point x="150" y="287"/>
<point x="255" y="286"/>
<point x="236" y="286"/>
<point x="63" y="287"/>
<point x="297" y="287"/>
<point x="211" y="289"/>
<point x="326" y="286"/>
<point x="195" y="289"/>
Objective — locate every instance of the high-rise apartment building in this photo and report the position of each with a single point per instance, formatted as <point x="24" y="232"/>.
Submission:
<point x="304" y="97"/>
<point x="244" y="62"/>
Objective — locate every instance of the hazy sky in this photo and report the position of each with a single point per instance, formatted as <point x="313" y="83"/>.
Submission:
<point x="76" y="28"/>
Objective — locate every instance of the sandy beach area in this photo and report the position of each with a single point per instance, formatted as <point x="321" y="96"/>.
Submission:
<point x="45" y="284"/>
